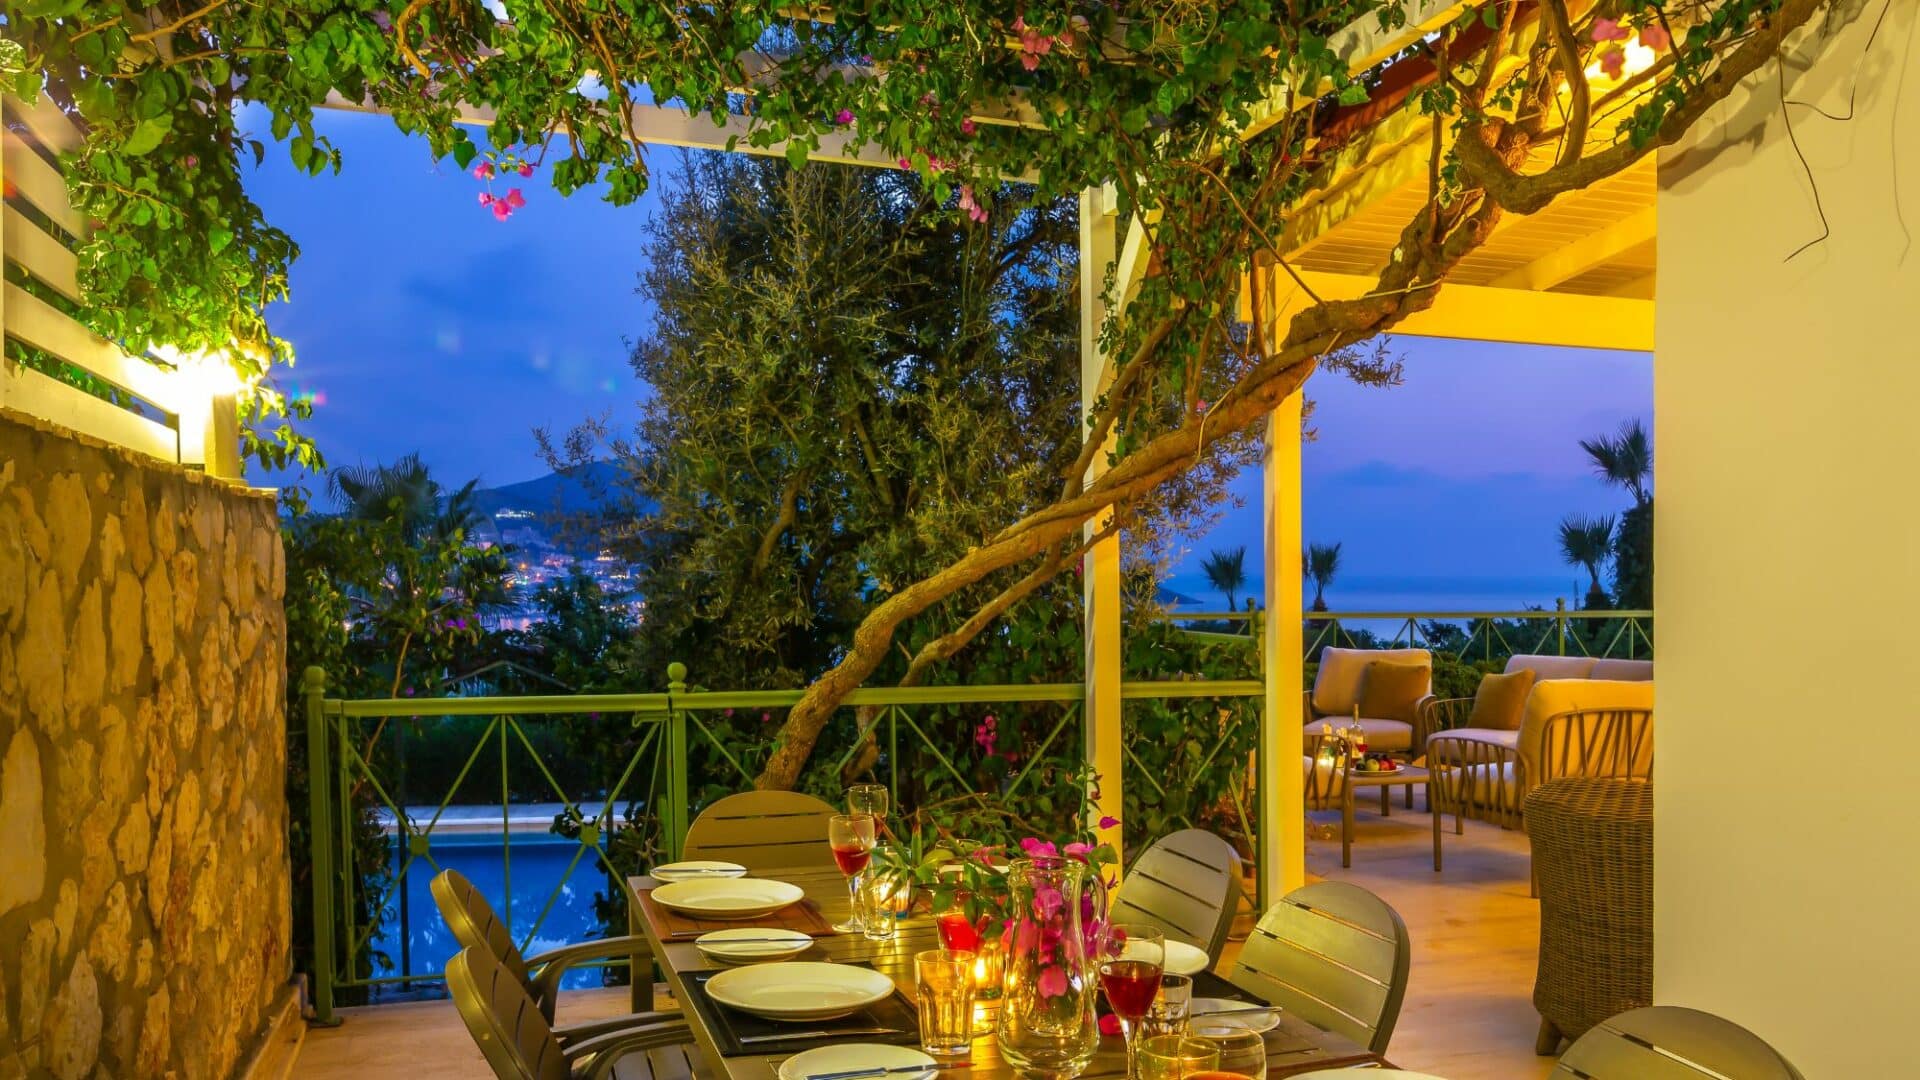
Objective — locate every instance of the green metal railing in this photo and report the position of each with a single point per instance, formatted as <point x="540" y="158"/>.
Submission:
<point x="346" y="739"/>
<point x="1626" y="633"/>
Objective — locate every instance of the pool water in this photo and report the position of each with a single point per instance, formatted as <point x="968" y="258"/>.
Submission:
<point x="417" y="942"/>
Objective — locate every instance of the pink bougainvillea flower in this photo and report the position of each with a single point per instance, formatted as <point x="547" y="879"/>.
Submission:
<point x="486" y="198"/>
<point x="1199" y="406"/>
<point x="1655" y="37"/>
<point x="1019" y="24"/>
<point x="1030" y="61"/>
<point x="971" y="205"/>
<point x="934" y="164"/>
<point x="1078" y="851"/>
<point x="843" y="117"/>
<point x="501" y="211"/>
<point x="1109" y="821"/>
<point x="968" y="127"/>
<point x="905" y="163"/>
<point x="1036" y="847"/>
<point x="515" y="198"/>
<point x="1109" y="1024"/>
<point x="1052" y="982"/>
<point x="1613" y="61"/>
<point x="1064" y="38"/>
<point x="526" y="168"/>
<point x="483" y="171"/>
<point x="191" y="161"/>
<point x="1608" y="30"/>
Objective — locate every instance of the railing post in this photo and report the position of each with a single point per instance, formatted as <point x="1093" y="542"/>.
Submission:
<point x="1560" y="621"/>
<point x="313" y="689"/>
<point x="674" y="819"/>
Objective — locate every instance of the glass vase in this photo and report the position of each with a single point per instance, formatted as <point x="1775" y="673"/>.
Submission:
<point x="1046" y="1026"/>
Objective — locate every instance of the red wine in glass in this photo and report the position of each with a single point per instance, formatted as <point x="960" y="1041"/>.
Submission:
<point x="1131" y="986"/>
<point x="851" y="860"/>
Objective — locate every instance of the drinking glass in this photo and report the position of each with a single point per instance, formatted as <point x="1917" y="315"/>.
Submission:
<point x="1176" y="1057"/>
<point x="945" y="993"/>
<point x="870" y="799"/>
<point x="1242" y="1052"/>
<point x="1168" y="1014"/>
<point x="1132" y="958"/>
<point x="851" y="837"/>
<point x="880" y="894"/>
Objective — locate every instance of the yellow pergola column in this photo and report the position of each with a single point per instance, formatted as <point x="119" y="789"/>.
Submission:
<point x="1282" y="856"/>
<point x="1100" y="576"/>
<point x="1280" y="786"/>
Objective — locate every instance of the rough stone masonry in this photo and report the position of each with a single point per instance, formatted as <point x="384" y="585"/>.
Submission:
<point x="144" y="883"/>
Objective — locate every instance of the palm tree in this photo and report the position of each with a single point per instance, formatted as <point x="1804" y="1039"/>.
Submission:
<point x="1588" y="542"/>
<point x="1625" y="459"/>
<point x="1227" y="571"/>
<point x="405" y="493"/>
<point x="1321" y="562"/>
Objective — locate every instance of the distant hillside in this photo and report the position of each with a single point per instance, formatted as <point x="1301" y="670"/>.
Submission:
<point x="581" y="490"/>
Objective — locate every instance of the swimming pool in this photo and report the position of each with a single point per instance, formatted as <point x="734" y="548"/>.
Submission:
<point x="417" y="942"/>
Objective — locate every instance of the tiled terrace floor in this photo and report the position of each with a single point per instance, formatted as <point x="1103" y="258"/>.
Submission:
<point x="1468" y="1012"/>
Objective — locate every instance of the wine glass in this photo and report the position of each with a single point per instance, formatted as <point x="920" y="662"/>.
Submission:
<point x="1132" y="957"/>
<point x="851" y="837"/>
<point x="870" y="799"/>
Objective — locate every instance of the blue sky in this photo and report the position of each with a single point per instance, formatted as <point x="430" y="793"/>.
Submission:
<point x="424" y="324"/>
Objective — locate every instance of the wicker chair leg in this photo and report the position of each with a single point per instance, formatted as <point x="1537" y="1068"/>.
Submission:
<point x="1547" y="1043"/>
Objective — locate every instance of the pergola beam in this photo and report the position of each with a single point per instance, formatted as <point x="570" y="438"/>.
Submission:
<point x="1484" y="313"/>
<point x="1563" y="264"/>
<point x="1362" y="43"/>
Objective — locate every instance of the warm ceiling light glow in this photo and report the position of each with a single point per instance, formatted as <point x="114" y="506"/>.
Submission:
<point x="1639" y="59"/>
<point x="204" y="374"/>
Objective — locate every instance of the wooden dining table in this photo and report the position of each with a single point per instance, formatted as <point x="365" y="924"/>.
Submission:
<point x="1294" y="1046"/>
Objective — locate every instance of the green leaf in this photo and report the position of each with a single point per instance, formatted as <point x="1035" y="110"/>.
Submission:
<point x="464" y="152"/>
<point x="1354" y="93"/>
<point x="796" y="153"/>
<point x="147" y="135"/>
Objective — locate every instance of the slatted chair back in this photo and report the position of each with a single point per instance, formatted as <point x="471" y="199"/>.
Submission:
<point x="514" y="1037"/>
<point x="1612" y="743"/>
<point x="763" y="830"/>
<point x="1666" y="1042"/>
<point x="1186" y="883"/>
<point x="474" y="924"/>
<point x="1334" y="955"/>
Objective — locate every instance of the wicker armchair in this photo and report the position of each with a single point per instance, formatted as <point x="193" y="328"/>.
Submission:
<point x="1593" y="858"/>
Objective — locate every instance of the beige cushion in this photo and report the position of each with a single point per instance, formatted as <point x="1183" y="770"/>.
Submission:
<point x="1501" y="700"/>
<point x="1336" y="686"/>
<point x="1393" y="689"/>
<point x="1622" y="670"/>
<point x="1552" y="697"/>
<point x="1439" y="745"/>
<point x="1382" y="733"/>
<point x="1551" y="667"/>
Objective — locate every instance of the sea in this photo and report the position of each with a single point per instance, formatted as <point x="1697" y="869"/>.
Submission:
<point x="1191" y="591"/>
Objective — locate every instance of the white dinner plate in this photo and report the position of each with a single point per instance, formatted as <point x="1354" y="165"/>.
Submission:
<point x="752" y="944"/>
<point x="727" y="898"/>
<point x="851" y="1056"/>
<point x="799" y="990"/>
<point x="1185" y="959"/>
<point x="1226" y="1012"/>
<point x="698" y="870"/>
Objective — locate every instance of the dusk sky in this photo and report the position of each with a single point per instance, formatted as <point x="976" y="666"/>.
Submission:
<point x="423" y="324"/>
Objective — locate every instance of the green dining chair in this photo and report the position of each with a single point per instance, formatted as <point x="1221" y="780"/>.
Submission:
<point x="1334" y="955"/>
<point x="474" y="925"/>
<point x="1186" y="883"/>
<point x="519" y="1043"/>
<point x="1667" y="1042"/>
<point x="763" y="830"/>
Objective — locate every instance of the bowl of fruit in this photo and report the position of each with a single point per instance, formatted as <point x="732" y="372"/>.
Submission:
<point x="1376" y="763"/>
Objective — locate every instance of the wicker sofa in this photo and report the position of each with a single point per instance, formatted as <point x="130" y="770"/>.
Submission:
<point x="1571" y="725"/>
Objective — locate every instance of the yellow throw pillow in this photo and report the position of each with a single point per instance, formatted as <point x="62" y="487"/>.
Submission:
<point x="1390" y="691"/>
<point x="1501" y="701"/>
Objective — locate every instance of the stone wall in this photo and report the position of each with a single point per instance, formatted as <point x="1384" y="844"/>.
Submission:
<point x="144" y="915"/>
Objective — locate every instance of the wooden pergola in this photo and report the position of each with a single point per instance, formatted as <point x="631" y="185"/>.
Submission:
<point x="1579" y="273"/>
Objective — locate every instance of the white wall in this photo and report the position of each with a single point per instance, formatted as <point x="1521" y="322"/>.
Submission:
<point x="1787" y="406"/>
